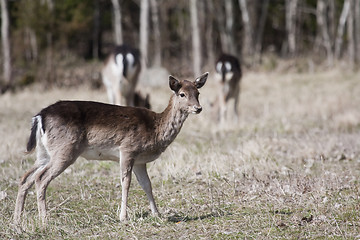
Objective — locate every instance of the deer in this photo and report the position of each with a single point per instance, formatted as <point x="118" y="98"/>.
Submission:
<point x="141" y="101"/>
<point x="120" y="74"/>
<point x="229" y="76"/>
<point x="132" y="136"/>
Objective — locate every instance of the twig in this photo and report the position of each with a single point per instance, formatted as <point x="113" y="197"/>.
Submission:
<point x="62" y="203"/>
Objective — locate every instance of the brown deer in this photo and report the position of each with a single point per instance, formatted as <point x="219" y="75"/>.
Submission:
<point x="120" y="75"/>
<point x="229" y="75"/>
<point x="96" y="131"/>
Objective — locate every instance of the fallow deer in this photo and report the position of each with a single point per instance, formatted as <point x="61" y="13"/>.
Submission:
<point x="96" y="131"/>
<point x="120" y="74"/>
<point x="141" y="101"/>
<point x="229" y="75"/>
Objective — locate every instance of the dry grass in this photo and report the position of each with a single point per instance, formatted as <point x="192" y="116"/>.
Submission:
<point x="289" y="169"/>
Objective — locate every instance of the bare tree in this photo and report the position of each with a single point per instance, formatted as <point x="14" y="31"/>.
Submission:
<point x="351" y="35"/>
<point x="117" y="22"/>
<point x="332" y="21"/>
<point x="341" y="27"/>
<point x="31" y="52"/>
<point x="96" y="30"/>
<point x="5" y="38"/>
<point x="357" y="29"/>
<point x="324" y="31"/>
<point x="260" y="30"/>
<point x="229" y="25"/>
<point x="157" y="35"/>
<point x="50" y="75"/>
<point x="220" y="16"/>
<point x="144" y="32"/>
<point x="290" y="13"/>
<point x="195" y="38"/>
<point x="208" y="20"/>
<point x="247" y="47"/>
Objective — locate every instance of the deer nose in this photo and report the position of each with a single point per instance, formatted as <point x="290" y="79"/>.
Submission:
<point x="198" y="109"/>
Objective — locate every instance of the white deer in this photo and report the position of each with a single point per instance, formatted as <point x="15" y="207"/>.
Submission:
<point x="120" y="74"/>
<point x="229" y="75"/>
<point x="96" y="131"/>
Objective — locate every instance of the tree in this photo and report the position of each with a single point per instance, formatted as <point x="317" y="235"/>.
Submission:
<point x="144" y="32"/>
<point x="357" y="29"/>
<point x="195" y="38"/>
<point x="50" y="69"/>
<point x="351" y="35"/>
<point x="341" y="27"/>
<point x="208" y="19"/>
<point x="117" y="22"/>
<point x="157" y="35"/>
<point x="247" y="47"/>
<point x="290" y="14"/>
<point x="260" y="31"/>
<point x="96" y="30"/>
<point x="5" y="38"/>
<point x="229" y="25"/>
<point x="324" y="31"/>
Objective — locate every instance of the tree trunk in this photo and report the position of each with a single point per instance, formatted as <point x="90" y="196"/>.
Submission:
<point x="118" y="38"/>
<point x="144" y="32"/>
<point x="96" y="30"/>
<point x="220" y="19"/>
<point x="229" y="23"/>
<point x="323" y="30"/>
<point x="195" y="38"/>
<point x="247" y="47"/>
<point x="351" y="35"/>
<point x="209" y="20"/>
<point x="31" y="51"/>
<point x="50" y="69"/>
<point x="157" y="35"/>
<point x="260" y="32"/>
<point x="5" y="38"/>
<point x="332" y="20"/>
<point x="357" y="30"/>
<point x="290" y="14"/>
<point x="341" y="27"/>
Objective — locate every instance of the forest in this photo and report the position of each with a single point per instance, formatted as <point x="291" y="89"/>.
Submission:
<point x="41" y="38"/>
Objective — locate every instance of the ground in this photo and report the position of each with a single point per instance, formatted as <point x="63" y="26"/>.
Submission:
<point x="289" y="168"/>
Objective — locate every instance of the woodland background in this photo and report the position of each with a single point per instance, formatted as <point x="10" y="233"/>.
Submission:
<point x="63" y="42"/>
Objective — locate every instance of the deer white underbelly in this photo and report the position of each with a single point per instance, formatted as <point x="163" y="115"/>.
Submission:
<point x="112" y="154"/>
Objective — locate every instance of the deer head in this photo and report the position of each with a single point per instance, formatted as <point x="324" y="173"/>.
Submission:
<point x="187" y="94"/>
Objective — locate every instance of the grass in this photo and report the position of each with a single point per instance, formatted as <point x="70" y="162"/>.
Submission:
<point x="289" y="169"/>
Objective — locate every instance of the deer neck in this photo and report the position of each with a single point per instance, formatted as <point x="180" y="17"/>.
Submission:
<point x="171" y="121"/>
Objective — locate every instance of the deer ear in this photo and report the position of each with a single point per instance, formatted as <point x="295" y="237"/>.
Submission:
<point x="174" y="84"/>
<point x="200" y="81"/>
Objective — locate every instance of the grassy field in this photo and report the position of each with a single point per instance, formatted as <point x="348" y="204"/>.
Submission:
<point x="289" y="169"/>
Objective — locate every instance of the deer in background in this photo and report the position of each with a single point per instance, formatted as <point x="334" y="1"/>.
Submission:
<point x="96" y="131"/>
<point x="228" y="75"/>
<point x="120" y="75"/>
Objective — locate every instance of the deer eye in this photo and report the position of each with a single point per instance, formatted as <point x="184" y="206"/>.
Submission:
<point x="182" y="95"/>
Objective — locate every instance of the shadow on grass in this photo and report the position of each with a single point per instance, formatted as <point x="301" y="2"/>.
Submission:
<point x="185" y="218"/>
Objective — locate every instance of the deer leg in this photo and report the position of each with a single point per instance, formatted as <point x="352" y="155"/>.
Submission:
<point x="26" y="182"/>
<point x="109" y="88"/>
<point x="222" y="112"/>
<point x="130" y="99"/>
<point x="236" y="103"/>
<point x="126" y="165"/>
<point x="110" y="94"/>
<point x="40" y="193"/>
<point x="42" y="180"/>
<point x="144" y="181"/>
<point x="117" y="92"/>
